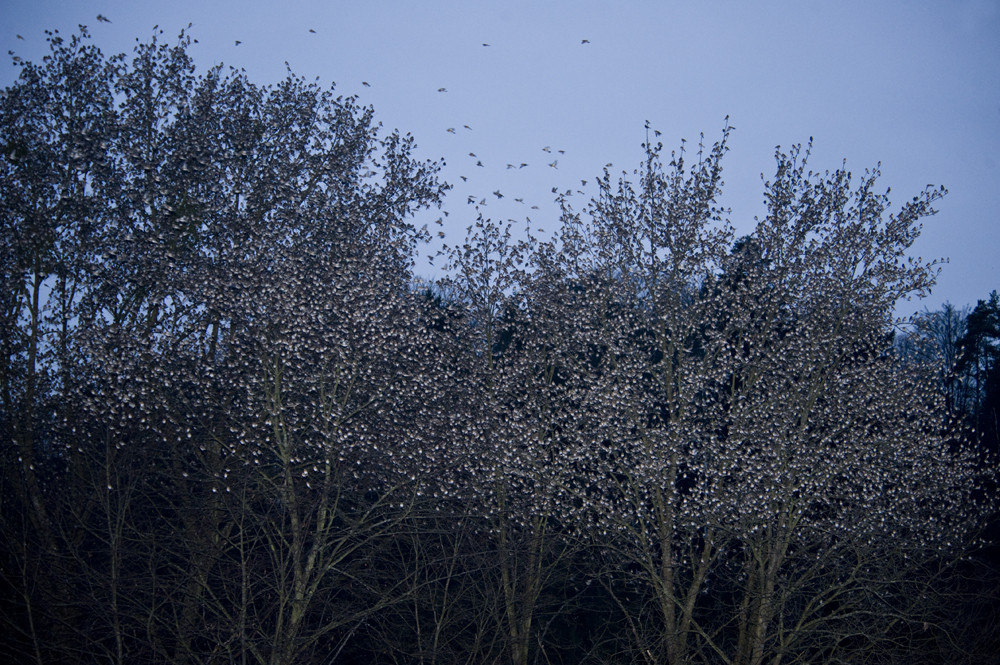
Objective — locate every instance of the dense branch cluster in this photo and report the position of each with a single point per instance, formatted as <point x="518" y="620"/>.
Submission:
<point x="232" y="430"/>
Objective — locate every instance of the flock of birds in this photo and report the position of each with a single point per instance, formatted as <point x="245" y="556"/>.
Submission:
<point x="472" y="200"/>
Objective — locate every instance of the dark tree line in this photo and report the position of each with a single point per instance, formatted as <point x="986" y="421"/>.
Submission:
<point x="232" y="430"/>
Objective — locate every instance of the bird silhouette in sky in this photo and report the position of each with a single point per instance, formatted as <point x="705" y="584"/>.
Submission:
<point x="312" y="31"/>
<point x="20" y="37"/>
<point x="485" y="44"/>
<point x="442" y="90"/>
<point x="498" y="194"/>
<point x="479" y="163"/>
<point x="101" y="18"/>
<point x="238" y="42"/>
<point x="467" y="127"/>
<point x="451" y="130"/>
<point x="585" y="41"/>
<point x="366" y="84"/>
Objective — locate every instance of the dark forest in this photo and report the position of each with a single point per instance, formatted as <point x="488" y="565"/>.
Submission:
<point x="237" y="428"/>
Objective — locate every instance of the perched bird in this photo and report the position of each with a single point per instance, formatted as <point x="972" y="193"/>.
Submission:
<point x="102" y="19"/>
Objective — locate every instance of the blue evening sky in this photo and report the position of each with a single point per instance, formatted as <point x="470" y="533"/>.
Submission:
<point x="913" y="84"/>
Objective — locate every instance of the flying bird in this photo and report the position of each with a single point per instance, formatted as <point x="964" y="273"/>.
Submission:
<point x="467" y="127"/>
<point x="238" y="42"/>
<point x="20" y="37"/>
<point x="485" y="44"/>
<point x="523" y="164"/>
<point x="451" y="130"/>
<point x="366" y="84"/>
<point x="312" y="31"/>
<point x="546" y="149"/>
<point x="498" y="194"/>
<point x="479" y="163"/>
<point x="585" y="41"/>
<point x="553" y="164"/>
<point x="102" y="19"/>
<point x="442" y="90"/>
<point x="472" y="154"/>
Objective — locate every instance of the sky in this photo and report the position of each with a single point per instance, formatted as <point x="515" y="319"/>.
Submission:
<point x="567" y="87"/>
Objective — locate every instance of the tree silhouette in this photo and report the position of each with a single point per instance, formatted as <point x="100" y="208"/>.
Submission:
<point x="234" y="430"/>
